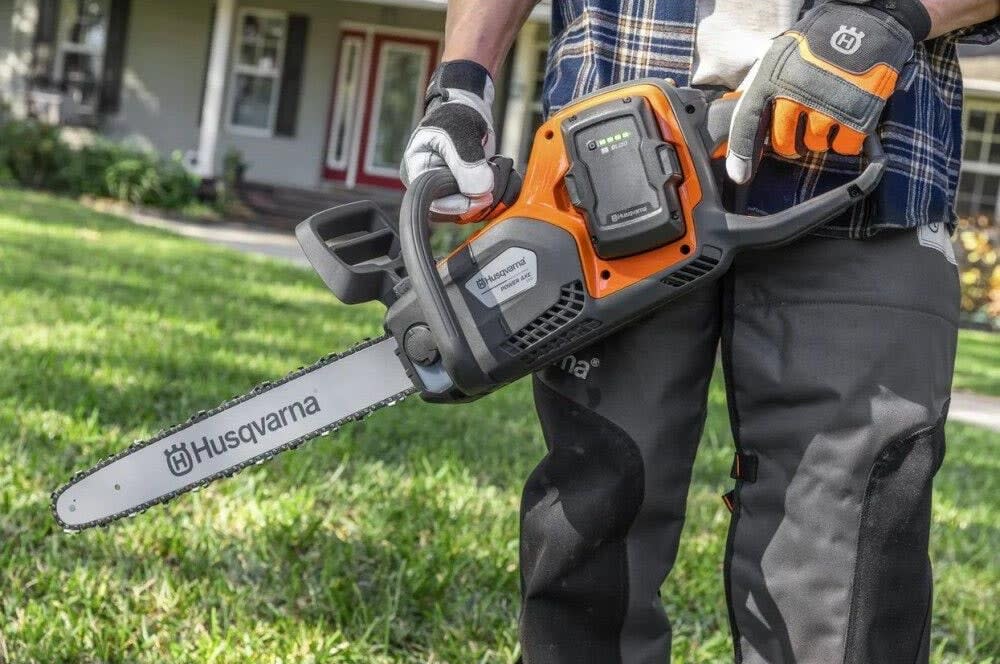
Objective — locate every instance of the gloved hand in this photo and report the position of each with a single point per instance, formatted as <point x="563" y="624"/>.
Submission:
<point x="823" y="84"/>
<point x="456" y="131"/>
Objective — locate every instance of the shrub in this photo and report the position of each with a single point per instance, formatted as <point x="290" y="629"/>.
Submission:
<point x="133" y="180"/>
<point x="144" y="179"/>
<point x="33" y="154"/>
<point x="86" y="173"/>
<point x="234" y="166"/>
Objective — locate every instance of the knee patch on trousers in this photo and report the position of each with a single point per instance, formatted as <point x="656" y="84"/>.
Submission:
<point x="593" y="464"/>
<point x="577" y="508"/>
<point x="891" y="600"/>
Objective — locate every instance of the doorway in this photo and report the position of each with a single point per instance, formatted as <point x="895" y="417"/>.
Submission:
<point x="378" y="99"/>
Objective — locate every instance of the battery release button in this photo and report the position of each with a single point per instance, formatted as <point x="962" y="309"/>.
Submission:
<point x="574" y="193"/>
<point x="669" y="163"/>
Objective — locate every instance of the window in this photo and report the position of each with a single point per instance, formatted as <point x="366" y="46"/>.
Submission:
<point x="256" y="82"/>
<point x="399" y="90"/>
<point x="345" y="114"/>
<point x="979" y="188"/>
<point x="83" y="32"/>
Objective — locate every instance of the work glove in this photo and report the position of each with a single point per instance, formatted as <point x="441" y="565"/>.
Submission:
<point x="456" y="132"/>
<point x="823" y="84"/>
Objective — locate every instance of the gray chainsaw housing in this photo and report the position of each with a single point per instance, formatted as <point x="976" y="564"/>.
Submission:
<point x="544" y="322"/>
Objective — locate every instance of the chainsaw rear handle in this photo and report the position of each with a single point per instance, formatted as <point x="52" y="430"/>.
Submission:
<point x="787" y="225"/>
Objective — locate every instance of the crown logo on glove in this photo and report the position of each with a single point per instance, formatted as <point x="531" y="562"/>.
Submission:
<point x="847" y="40"/>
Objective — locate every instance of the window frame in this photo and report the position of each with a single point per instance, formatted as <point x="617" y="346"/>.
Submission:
<point x="65" y="47"/>
<point x="368" y="166"/>
<point x="346" y="106"/>
<point x="980" y="166"/>
<point x="236" y="69"/>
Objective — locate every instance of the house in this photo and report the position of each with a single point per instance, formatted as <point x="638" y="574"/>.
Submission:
<point x="315" y="94"/>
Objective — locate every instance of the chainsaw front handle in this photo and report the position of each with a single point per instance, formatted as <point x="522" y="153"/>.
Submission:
<point x="422" y="269"/>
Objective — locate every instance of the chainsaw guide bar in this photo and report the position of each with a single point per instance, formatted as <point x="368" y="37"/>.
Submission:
<point x="185" y="458"/>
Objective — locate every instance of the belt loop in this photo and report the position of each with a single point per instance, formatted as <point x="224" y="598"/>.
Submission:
<point x="744" y="467"/>
<point x="730" y="501"/>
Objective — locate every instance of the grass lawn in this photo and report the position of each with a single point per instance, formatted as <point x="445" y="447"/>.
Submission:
<point x="978" y="366"/>
<point x="393" y="541"/>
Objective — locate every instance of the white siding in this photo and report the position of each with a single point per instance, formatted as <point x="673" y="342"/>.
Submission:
<point x="164" y="74"/>
<point x="17" y="27"/>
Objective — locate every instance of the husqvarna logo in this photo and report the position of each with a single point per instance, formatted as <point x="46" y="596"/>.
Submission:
<point x="579" y="368"/>
<point x="179" y="459"/>
<point x="630" y="213"/>
<point x="511" y="273"/>
<point x="847" y="40"/>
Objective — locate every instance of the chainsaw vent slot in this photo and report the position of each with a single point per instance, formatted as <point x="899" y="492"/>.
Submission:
<point x="699" y="267"/>
<point x="551" y="330"/>
<point x="554" y="347"/>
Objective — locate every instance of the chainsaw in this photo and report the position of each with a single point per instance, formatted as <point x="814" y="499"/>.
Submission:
<point x="619" y="212"/>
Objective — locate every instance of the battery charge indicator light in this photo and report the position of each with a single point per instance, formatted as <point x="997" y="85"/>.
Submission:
<point x="614" y="138"/>
<point x="608" y="143"/>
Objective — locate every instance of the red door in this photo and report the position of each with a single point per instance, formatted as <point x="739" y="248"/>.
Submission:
<point x="378" y="99"/>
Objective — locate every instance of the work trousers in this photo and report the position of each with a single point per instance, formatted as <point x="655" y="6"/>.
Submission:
<point x="838" y="358"/>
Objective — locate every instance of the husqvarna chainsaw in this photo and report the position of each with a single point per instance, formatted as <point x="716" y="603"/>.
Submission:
<point x="618" y="213"/>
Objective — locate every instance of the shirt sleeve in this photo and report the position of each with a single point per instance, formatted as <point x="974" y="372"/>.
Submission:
<point x="986" y="32"/>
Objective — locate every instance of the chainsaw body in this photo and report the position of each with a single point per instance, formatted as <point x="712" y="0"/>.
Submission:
<point x="619" y="213"/>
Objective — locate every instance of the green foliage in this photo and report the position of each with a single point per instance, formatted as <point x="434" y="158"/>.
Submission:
<point x="33" y="155"/>
<point x="141" y="180"/>
<point x="977" y="247"/>
<point x="234" y="166"/>
<point x="393" y="541"/>
<point x="977" y="368"/>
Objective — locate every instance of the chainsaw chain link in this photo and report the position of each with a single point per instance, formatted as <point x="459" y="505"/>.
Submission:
<point x="228" y="472"/>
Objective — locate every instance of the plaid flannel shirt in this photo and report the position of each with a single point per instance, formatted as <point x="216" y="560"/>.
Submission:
<point x="601" y="42"/>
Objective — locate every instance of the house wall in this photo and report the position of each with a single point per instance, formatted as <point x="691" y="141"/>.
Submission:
<point x="7" y="54"/>
<point x="17" y="27"/>
<point x="164" y="74"/>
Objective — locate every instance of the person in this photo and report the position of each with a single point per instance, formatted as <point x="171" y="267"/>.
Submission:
<point x="837" y="350"/>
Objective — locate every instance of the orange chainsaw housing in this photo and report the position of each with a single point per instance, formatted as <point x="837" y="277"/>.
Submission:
<point x="544" y="197"/>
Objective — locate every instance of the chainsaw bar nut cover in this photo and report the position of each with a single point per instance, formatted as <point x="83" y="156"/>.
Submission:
<point x="418" y="342"/>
